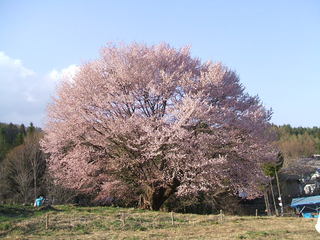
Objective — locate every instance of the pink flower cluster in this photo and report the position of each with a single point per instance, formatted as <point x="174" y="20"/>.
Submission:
<point x="156" y="116"/>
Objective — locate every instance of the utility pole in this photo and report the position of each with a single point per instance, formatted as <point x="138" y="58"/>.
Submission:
<point x="274" y="200"/>
<point x="279" y="192"/>
<point x="266" y="201"/>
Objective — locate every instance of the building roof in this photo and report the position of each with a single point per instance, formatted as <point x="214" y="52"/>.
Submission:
<point x="305" y="201"/>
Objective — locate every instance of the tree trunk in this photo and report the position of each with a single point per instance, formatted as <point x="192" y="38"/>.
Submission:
<point x="154" y="196"/>
<point x="34" y="184"/>
<point x="225" y="200"/>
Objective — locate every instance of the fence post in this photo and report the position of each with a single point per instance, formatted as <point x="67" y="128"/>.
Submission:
<point x="221" y="216"/>
<point x="172" y="218"/>
<point x="47" y="221"/>
<point x="123" y="219"/>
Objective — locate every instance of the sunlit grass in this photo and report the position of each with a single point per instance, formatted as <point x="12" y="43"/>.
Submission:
<point x="70" y="222"/>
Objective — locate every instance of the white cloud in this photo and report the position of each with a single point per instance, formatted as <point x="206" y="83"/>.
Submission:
<point x="25" y="94"/>
<point x="64" y="74"/>
<point x="15" y="65"/>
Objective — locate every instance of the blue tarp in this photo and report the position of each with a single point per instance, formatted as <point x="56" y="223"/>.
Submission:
<point x="298" y="202"/>
<point x="307" y="206"/>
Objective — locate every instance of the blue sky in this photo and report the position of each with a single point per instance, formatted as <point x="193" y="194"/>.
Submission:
<point x="274" y="46"/>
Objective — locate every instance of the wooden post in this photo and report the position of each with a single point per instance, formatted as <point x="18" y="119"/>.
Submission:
<point x="256" y="213"/>
<point x="172" y="218"/>
<point x="154" y="222"/>
<point x="123" y="219"/>
<point x="47" y="221"/>
<point x="221" y="215"/>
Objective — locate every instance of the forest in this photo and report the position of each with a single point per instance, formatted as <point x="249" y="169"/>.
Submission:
<point x="297" y="142"/>
<point x="23" y="174"/>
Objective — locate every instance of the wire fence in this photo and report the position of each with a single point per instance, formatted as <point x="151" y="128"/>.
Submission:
<point x="124" y="220"/>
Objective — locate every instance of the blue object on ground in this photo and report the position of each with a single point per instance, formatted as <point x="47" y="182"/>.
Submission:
<point x="39" y="201"/>
<point x="307" y="215"/>
<point x="308" y="206"/>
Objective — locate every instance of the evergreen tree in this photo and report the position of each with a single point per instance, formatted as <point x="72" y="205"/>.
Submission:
<point x="31" y="128"/>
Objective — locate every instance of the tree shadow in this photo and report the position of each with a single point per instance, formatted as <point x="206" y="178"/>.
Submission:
<point x="15" y="211"/>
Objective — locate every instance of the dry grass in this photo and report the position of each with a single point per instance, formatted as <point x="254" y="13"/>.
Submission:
<point x="117" y="223"/>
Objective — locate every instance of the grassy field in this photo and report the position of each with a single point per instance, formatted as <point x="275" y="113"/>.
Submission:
<point x="69" y="222"/>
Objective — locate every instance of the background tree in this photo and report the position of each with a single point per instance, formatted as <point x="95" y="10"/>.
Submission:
<point x="10" y="136"/>
<point x="17" y="175"/>
<point x="22" y="170"/>
<point x="160" y="121"/>
<point x="21" y="135"/>
<point x="271" y="170"/>
<point x="296" y="143"/>
<point x="36" y="158"/>
<point x="31" y="128"/>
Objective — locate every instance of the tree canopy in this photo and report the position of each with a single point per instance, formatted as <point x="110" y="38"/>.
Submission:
<point x="156" y="120"/>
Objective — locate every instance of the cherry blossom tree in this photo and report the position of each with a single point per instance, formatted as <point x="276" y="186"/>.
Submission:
<point x="159" y="120"/>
